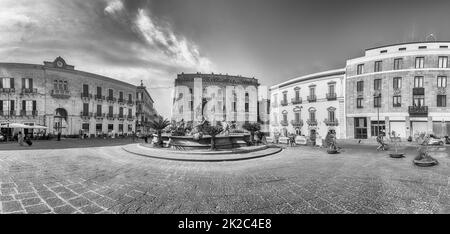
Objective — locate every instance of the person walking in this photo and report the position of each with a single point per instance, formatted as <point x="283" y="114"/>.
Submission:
<point x="20" y="138"/>
<point x="380" y="141"/>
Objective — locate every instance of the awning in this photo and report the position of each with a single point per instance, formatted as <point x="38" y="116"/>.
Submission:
<point x="19" y="125"/>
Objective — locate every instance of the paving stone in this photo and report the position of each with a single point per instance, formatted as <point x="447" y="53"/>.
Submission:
<point x="66" y="209"/>
<point x="11" y="206"/>
<point x="91" y="209"/>
<point x="21" y="196"/>
<point x="31" y="201"/>
<point x="37" y="209"/>
<point x="68" y="195"/>
<point x="6" y="198"/>
<point x="79" y="202"/>
<point x="54" y="201"/>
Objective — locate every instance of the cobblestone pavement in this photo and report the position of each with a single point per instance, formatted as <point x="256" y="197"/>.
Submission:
<point x="298" y="180"/>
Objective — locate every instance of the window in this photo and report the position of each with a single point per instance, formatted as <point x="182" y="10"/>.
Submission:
<point x="377" y="84"/>
<point x="378" y="66"/>
<point x="360" y="128"/>
<point x="64" y="85"/>
<point x="397" y="83"/>
<point x="376" y="127"/>
<point x="377" y="101"/>
<point x="441" y="81"/>
<point x="418" y="100"/>
<point x="267" y="107"/>
<point x="398" y="64"/>
<point x="85" y="89"/>
<point x="130" y="112"/>
<point x="7" y="83"/>
<point x="312" y="91"/>
<point x="28" y="105"/>
<point x="191" y="105"/>
<point x="297" y="117"/>
<point x="360" y="69"/>
<point x="120" y="95"/>
<point x="422" y="47"/>
<point x="297" y="94"/>
<point x="331" y="89"/>
<point x="443" y="46"/>
<point x="359" y="102"/>
<point x="85" y="108"/>
<point x="397" y="101"/>
<point x="27" y="83"/>
<point x="420" y="62"/>
<point x="442" y="61"/>
<point x="99" y="91"/>
<point x="441" y="100"/>
<point x="246" y="107"/>
<point x="285" y="117"/>
<point x="284" y="96"/>
<point x="331" y="116"/>
<point x="99" y="110"/>
<point x="383" y="51"/>
<point x="403" y="48"/>
<point x="418" y="82"/>
<point x="312" y="115"/>
<point x="110" y="93"/>
<point x="360" y="86"/>
<point x="121" y="111"/>
<point x="85" y="127"/>
<point x="130" y="97"/>
<point x="121" y="128"/>
<point x="111" y="110"/>
<point x="234" y="106"/>
<point x="190" y="90"/>
<point x="98" y="128"/>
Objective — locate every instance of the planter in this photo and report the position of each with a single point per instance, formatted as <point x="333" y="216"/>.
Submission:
<point x="425" y="163"/>
<point x="397" y="155"/>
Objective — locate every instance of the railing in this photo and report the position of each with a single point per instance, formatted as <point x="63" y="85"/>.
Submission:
<point x="110" y="99"/>
<point x="99" y="115"/>
<point x="284" y="103"/>
<point x="332" y="122"/>
<point x="284" y="123"/>
<point x="28" y="113"/>
<point x="297" y="123"/>
<point x="8" y="113"/>
<point x="86" y="95"/>
<point x="121" y="101"/>
<point x="99" y="97"/>
<point x="130" y="102"/>
<point x="312" y="98"/>
<point x="121" y="116"/>
<point x="84" y="114"/>
<point x="130" y="117"/>
<point x="29" y="91"/>
<point x="296" y="100"/>
<point x="7" y="90"/>
<point x="60" y="93"/>
<point x="110" y="116"/>
<point x="331" y="96"/>
<point x="418" y="111"/>
<point x="311" y="122"/>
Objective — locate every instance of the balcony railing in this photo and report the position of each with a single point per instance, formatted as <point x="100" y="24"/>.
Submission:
<point x="120" y="116"/>
<point x="99" y="97"/>
<point x="298" y="123"/>
<point x="99" y="115"/>
<point x="7" y="90"/>
<point x="284" y="103"/>
<point x="29" y="91"/>
<point x="8" y="113"/>
<point x="331" y="96"/>
<point x="84" y="114"/>
<point x="312" y="98"/>
<point x="130" y="117"/>
<point x="111" y="99"/>
<point x="86" y="95"/>
<point x="110" y="116"/>
<point x="28" y="113"/>
<point x="296" y="101"/>
<point x="311" y="122"/>
<point x="121" y="101"/>
<point x="130" y="102"/>
<point x="284" y="123"/>
<point x="418" y="111"/>
<point x="332" y="122"/>
<point x="418" y="91"/>
<point x="60" y="93"/>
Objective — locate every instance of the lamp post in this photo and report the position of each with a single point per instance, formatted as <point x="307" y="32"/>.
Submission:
<point x="378" y="112"/>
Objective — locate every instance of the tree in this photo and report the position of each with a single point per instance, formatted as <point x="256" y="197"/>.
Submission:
<point x="213" y="131"/>
<point x="158" y="125"/>
<point x="252" y="128"/>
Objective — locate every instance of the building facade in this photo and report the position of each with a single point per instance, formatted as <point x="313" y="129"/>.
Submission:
<point x="401" y="88"/>
<point x="309" y="104"/>
<point x="145" y="112"/>
<point x="215" y="97"/>
<point x="66" y="100"/>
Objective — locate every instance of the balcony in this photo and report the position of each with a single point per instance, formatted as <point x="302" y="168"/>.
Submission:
<point x="110" y="116"/>
<point x="99" y="115"/>
<point x="312" y="98"/>
<point x="331" y="96"/>
<point x="284" y="103"/>
<point x="418" y="111"/>
<point x="7" y="90"/>
<point x="121" y="101"/>
<point x="333" y="122"/>
<point x="111" y="99"/>
<point x="296" y="101"/>
<point x="311" y="122"/>
<point x="29" y="91"/>
<point x="130" y="102"/>
<point x="28" y="113"/>
<point x="298" y="123"/>
<point x="284" y="123"/>
<point x="130" y="117"/>
<point x="418" y="91"/>
<point x="60" y="93"/>
<point x="86" y="115"/>
<point x="86" y="96"/>
<point x="120" y="116"/>
<point x="99" y="97"/>
<point x="7" y="113"/>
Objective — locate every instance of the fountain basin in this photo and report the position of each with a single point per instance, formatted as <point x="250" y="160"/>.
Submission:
<point x="222" y="141"/>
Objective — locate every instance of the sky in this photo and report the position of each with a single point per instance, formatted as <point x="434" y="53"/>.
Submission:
<point x="153" y="40"/>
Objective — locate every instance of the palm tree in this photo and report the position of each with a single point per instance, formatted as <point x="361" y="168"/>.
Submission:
<point x="158" y="125"/>
<point x="252" y="128"/>
<point x="213" y="131"/>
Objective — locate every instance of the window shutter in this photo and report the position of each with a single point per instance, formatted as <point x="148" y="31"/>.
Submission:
<point x="31" y="83"/>
<point x="34" y="105"/>
<point x="12" y="105"/>
<point x="1" y="83"/>
<point x="24" y="103"/>
<point x="23" y="83"/>
<point x="12" y="82"/>
<point x="1" y="105"/>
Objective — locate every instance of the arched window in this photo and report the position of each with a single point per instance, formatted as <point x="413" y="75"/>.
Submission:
<point x="297" y="114"/>
<point x="312" y="114"/>
<point x="331" y="114"/>
<point x="284" y="113"/>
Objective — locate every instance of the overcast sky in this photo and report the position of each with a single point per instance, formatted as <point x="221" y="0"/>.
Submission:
<point x="272" y="40"/>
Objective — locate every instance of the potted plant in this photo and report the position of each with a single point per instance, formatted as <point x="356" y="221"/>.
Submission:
<point x="159" y="124"/>
<point x="395" y="141"/>
<point x="424" y="159"/>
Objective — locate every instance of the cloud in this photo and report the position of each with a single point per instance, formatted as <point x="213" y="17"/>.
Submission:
<point x="107" y="37"/>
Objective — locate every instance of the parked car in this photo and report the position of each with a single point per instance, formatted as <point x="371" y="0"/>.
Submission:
<point x="435" y="140"/>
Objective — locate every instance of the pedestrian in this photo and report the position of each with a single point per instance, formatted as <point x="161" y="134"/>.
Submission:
<point x="28" y="140"/>
<point x="133" y="136"/>
<point x="20" y="138"/>
<point x="59" y="136"/>
<point x="380" y="141"/>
